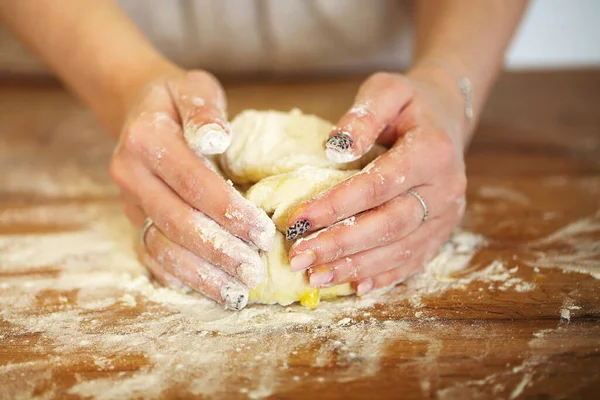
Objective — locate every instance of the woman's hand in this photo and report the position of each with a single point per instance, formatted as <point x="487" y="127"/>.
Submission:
<point x="199" y="220"/>
<point x="384" y="235"/>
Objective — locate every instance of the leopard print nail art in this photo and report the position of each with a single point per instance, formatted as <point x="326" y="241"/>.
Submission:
<point x="340" y="142"/>
<point x="297" y="230"/>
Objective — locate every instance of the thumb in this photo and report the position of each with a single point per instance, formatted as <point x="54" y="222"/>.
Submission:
<point x="378" y="102"/>
<point x="201" y="104"/>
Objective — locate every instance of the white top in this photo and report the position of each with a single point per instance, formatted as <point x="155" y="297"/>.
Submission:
<point x="258" y="36"/>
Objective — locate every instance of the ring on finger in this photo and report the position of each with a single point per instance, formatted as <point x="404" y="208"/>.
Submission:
<point x="422" y="201"/>
<point x="147" y="225"/>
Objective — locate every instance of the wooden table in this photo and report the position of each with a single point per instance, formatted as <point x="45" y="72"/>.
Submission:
<point x="79" y="319"/>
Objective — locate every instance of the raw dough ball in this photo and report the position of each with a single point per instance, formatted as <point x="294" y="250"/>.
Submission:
<point x="266" y="143"/>
<point x="284" y="153"/>
<point x="278" y="195"/>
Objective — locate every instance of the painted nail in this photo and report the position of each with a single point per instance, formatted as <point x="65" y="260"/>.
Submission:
<point x="364" y="287"/>
<point x="338" y="146"/>
<point x="235" y="297"/>
<point x="320" y="276"/>
<point x="303" y="261"/>
<point x="340" y="142"/>
<point x="298" y="229"/>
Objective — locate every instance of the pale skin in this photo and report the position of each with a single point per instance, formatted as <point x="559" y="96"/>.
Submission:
<point x="148" y="103"/>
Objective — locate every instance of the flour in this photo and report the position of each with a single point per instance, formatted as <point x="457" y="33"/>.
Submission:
<point x="206" y="139"/>
<point x="503" y="193"/>
<point x="361" y="110"/>
<point x="93" y="299"/>
<point x="572" y="248"/>
<point x="184" y="339"/>
<point x="252" y="268"/>
<point x="568" y="306"/>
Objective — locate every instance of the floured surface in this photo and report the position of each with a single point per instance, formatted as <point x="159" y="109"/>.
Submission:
<point x="90" y="296"/>
<point x="510" y="310"/>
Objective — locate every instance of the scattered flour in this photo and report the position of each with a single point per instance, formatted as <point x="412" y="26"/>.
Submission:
<point x="504" y="194"/>
<point x="572" y="248"/>
<point x="92" y="296"/>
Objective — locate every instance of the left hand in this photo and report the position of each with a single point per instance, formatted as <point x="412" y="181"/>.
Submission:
<point x="421" y="117"/>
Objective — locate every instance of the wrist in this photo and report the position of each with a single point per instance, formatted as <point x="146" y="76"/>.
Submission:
<point x="453" y="87"/>
<point x="128" y="86"/>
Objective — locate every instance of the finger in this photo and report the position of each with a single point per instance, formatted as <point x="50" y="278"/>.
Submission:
<point x="133" y="212"/>
<point x="375" y="261"/>
<point x="391" y="278"/>
<point x="156" y="138"/>
<point x="386" y="177"/>
<point x="160" y="274"/>
<point x="196" y="272"/>
<point x="415" y="159"/>
<point x="191" y="228"/>
<point x="386" y="279"/>
<point x="202" y="108"/>
<point x="382" y="225"/>
<point x="390" y="133"/>
<point x="379" y="100"/>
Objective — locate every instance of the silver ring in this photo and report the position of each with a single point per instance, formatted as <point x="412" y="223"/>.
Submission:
<point x="422" y="201"/>
<point x="147" y="224"/>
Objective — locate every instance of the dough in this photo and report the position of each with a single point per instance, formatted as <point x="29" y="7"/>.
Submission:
<point x="267" y="143"/>
<point x="278" y="195"/>
<point x="282" y="286"/>
<point x="284" y="154"/>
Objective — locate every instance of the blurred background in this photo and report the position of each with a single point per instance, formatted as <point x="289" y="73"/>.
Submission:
<point x="558" y="34"/>
<point x="555" y="34"/>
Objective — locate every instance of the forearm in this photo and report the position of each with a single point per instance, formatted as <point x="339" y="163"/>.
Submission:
<point x="470" y="36"/>
<point x="92" y="46"/>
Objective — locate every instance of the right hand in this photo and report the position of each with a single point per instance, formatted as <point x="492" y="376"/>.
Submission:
<point x="199" y="218"/>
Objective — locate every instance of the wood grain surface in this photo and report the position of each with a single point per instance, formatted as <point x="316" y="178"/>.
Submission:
<point x="71" y="327"/>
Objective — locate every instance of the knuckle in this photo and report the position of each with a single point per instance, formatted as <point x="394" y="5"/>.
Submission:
<point x="166" y="222"/>
<point x="389" y="228"/>
<point x="332" y="209"/>
<point x="459" y="187"/>
<point x="351" y="271"/>
<point x="374" y="191"/>
<point x="384" y="79"/>
<point x="170" y="227"/>
<point x="202" y="76"/>
<point x="205" y="79"/>
<point x="188" y="187"/>
<point x="338" y="246"/>
<point x="131" y="138"/>
<point x="116" y="172"/>
<point x="402" y="254"/>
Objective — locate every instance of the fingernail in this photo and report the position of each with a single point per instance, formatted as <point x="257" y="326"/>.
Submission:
<point x="364" y="287"/>
<point x="298" y="229"/>
<point x="303" y="261"/>
<point x="337" y="148"/>
<point x="214" y="139"/>
<point x="207" y="139"/>
<point x="320" y="276"/>
<point x="340" y="142"/>
<point x="235" y="297"/>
